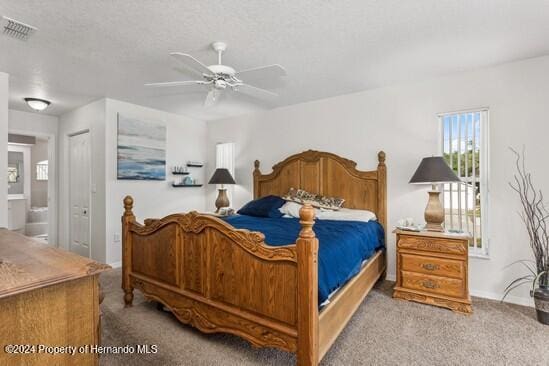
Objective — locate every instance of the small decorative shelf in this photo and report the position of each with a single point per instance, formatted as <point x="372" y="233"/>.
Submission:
<point x="195" y="165"/>
<point x="186" y="185"/>
<point x="180" y="173"/>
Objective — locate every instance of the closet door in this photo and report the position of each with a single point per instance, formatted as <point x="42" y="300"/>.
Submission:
<point x="79" y="186"/>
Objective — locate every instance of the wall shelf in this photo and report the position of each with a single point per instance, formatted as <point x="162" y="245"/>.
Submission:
<point x="195" y="165"/>
<point x="186" y="185"/>
<point x="181" y="173"/>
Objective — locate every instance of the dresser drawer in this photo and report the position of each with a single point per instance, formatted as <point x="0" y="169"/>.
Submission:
<point x="432" y="266"/>
<point x="433" y="284"/>
<point x="458" y="247"/>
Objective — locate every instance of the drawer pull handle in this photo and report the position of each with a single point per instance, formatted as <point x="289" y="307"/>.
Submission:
<point x="430" y="267"/>
<point x="429" y="284"/>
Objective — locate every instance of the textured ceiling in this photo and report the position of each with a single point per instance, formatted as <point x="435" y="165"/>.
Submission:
<point x="85" y="50"/>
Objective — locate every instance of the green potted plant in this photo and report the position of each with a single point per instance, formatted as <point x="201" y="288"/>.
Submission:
<point x="535" y="216"/>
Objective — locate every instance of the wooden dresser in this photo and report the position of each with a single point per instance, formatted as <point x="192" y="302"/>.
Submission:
<point x="432" y="269"/>
<point x="48" y="297"/>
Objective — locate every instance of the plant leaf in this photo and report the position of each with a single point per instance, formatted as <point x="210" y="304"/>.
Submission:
<point x="524" y="263"/>
<point x="528" y="277"/>
<point x="537" y="279"/>
<point x="511" y="289"/>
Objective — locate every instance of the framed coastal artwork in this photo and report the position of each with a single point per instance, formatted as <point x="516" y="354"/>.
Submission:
<point x="141" y="149"/>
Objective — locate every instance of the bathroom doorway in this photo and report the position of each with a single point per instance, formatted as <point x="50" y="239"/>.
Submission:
<point x="32" y="192"/>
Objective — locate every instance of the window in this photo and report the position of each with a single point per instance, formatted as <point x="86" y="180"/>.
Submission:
<point x="42" y="170"/>
<point x="465" y="149"/>
<point x="13" y="174"/>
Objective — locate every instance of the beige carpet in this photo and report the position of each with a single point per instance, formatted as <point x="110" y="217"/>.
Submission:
<point x="382" y="332"/>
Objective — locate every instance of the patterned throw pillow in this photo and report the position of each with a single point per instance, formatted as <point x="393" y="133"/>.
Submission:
<point x="316" y="200"/>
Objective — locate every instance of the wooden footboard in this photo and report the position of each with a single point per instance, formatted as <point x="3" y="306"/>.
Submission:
<point x="221" y="279"/>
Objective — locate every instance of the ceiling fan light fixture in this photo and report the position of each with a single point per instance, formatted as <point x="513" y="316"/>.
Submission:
<point x="37" y="104"/>
<point x="220" y="84"/>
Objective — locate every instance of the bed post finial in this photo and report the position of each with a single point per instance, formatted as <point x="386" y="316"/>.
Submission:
<point x="307" y="289"/>
<point x="127" y="220"/>
<point x="307" y="220"/>
<point x="128" y="205"/>
<point x="381" y="157"/>
<point x="257" y="174"/>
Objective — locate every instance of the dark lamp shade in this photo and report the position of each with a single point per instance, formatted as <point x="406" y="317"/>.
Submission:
<point x="221" y="176"/>
<point x="434" y="170"/>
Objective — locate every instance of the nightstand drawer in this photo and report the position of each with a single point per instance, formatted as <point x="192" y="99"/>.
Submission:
<point x="458" y="247"/>
<point x="433" y="284"/>
<point x="433" y="266"/>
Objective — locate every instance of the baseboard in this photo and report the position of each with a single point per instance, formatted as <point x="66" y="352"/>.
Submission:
<point x="524" y="301"/>
<point x="116" y="264"/>
<point x="518" y="300"/>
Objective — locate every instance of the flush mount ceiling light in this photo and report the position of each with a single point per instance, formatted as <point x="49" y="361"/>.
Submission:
<point x="37" y="104"/>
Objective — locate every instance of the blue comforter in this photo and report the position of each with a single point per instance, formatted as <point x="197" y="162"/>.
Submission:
<point x="343" y="245"/>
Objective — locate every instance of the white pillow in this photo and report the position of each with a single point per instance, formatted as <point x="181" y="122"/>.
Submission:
<point x="346" y="214"/>
<point x="290" y="209"/>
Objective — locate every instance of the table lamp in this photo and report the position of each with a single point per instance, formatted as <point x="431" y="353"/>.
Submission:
<point x="434" y="170"/>
<point x="222" y="176"/>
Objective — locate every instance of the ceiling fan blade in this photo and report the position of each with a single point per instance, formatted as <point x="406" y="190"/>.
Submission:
<point x="191" y="63"/>
<point x="256" y="92"/>
<point x="262" y="72"/>
<point x="177" y="83"/>
<point x="212" y="97"/>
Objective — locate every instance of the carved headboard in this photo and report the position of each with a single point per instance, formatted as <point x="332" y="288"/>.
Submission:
<point x="330" y="175"/>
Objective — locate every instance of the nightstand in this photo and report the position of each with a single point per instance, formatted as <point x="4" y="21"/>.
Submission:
<point x="432" y="269"/>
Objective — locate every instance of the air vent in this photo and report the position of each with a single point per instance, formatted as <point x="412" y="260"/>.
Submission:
<point x="16" y="29"/>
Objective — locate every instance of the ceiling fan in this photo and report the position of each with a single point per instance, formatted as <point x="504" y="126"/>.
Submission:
<point x="221" y="77"/>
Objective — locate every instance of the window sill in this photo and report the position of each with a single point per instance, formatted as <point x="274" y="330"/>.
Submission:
<point x="479" y="256"/>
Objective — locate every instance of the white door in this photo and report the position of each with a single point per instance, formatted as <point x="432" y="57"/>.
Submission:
<point x="79" y="193"/>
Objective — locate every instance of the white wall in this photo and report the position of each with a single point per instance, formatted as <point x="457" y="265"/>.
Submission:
<point x="185" y="141"/>
<point x="32" y="124"/>
<point x="3" y="148"/>
<point x="90" y="117"/>
<point x="402" y="121"/>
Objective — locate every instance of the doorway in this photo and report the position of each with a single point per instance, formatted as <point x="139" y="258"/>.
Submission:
<point x="79" y="193"/>
<point x="32" y="196"/>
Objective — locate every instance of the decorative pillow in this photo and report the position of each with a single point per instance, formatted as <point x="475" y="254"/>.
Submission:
<point x="263" y="207"/>
<point x="316" y="200"/>
<point x="291" y="209"/>
<point x="346" y="214"/>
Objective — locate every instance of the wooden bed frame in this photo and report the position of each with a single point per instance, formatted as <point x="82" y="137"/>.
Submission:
<point x="221" y="279"/>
